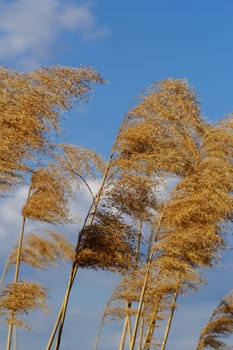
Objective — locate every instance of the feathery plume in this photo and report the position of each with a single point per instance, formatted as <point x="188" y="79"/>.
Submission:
<point x="17" y="299"/>
<point x="219" y="326"/>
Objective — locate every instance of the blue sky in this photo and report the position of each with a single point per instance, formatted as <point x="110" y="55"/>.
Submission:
<point x="132" y="44"/>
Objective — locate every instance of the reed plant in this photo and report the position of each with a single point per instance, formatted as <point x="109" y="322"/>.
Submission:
<point x="158" y="238"/>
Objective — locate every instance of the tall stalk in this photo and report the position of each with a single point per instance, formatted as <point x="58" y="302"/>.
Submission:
<point x="169" y="322"/>
<point x="59" y="323"/>
<point x="146" y="278"/>
<point x="10" y="327"/>
<point x="150" y="331"/>
<point x="126" y="327"/>
<point x="15" y="338"/>
<point x="127" y="323"/>
<point x="65" y="303"/>
<point x="123" y="335"/>
<point x="17" y="265"/>
<point x="62" y="312"/>
<point x="141" y="332"/>
<point x="140" y="305"/>
<point x="101" y="324"/>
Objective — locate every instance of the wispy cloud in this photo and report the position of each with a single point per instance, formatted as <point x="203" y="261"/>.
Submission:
<point x="29" y="29"/>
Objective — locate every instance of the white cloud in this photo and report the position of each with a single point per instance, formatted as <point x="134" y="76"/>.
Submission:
<point x="28" y="29"/>
<point x="10" y="209"/>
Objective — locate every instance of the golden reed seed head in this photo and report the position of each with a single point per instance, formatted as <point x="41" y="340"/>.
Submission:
<point x="107" y="244"/>
<point x="41" y="252"/>
<point x="48" y="200"/>
<point x="19" y="298"/>
<point x="220" y="325"/>
<point x="30" y="110"/>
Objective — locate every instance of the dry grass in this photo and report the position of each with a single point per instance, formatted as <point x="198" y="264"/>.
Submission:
<point x="49" y="193"/>
<point x="30" y="109"/>
<point x="161" y="133"/>
<point x="17" y="299"/>
<point x="40" y="252"/>
<point x="219" y="326"/>
<point x="108" y="244"/>
<point x="79" y="160"/>
<point x="164" y="136"/>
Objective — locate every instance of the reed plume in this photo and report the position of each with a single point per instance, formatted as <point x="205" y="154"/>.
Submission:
<point x="165" y="136"/>
<point x="18" y="298"/>
<point x="40" y="252"/>
<point x="108" y="243"/>
<point x="49" y="196"/>
<point x="219" y="326"/>
<point x="30" y="111"/>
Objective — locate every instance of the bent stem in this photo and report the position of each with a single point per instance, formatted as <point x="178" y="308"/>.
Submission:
<point x="62" y="312"/>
